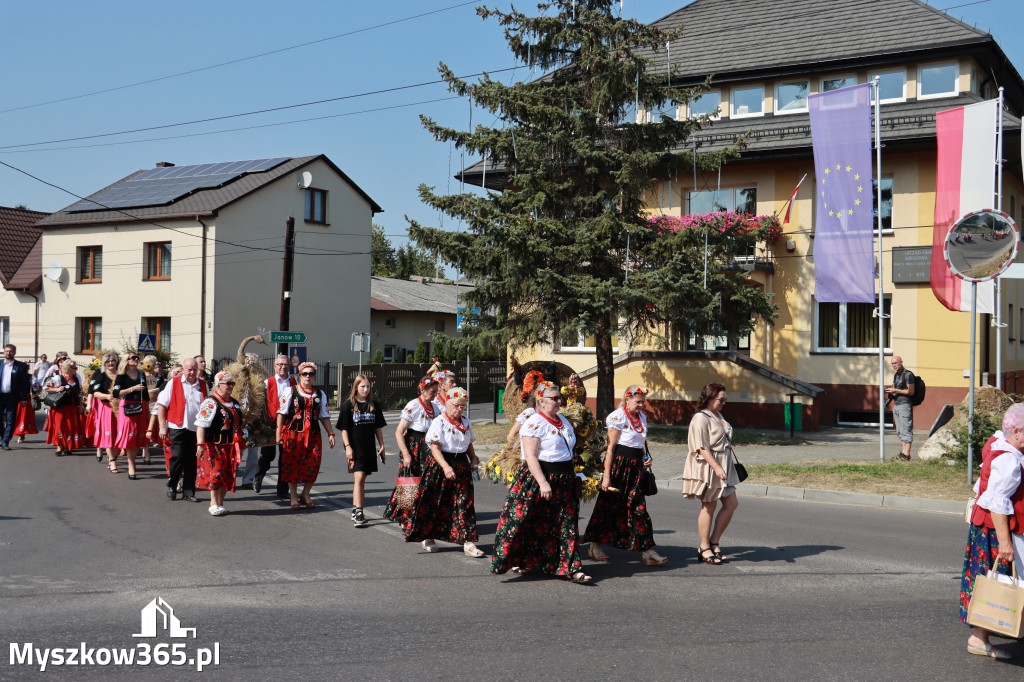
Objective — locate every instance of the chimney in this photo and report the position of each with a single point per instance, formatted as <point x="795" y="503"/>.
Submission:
<point x="164" y="164"/>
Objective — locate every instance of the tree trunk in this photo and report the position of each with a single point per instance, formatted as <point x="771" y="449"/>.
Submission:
<point x="605" y="372"/>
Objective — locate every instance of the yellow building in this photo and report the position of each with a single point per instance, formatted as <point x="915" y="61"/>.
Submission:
<point x="824" y="353"/>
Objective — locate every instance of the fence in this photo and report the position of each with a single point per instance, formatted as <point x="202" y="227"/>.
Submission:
<point x="394" y="383"/>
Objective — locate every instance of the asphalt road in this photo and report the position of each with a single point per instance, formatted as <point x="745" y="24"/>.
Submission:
<point x="813" y="590"/>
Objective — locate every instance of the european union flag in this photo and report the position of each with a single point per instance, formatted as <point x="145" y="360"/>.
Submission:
<point x="844" y="264"/>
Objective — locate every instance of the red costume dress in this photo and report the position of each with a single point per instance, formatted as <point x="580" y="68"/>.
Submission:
<point x="302" y="449"/>
<point x="221" y="451"/>
<point x="67" y="425"/>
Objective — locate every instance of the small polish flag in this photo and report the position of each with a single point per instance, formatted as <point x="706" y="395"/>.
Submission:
<point x="792" y="197"/>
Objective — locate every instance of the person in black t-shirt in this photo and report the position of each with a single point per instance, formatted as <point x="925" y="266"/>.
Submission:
<point x="361" y="423"/>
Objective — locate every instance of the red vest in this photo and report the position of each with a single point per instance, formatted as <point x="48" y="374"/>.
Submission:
<point x="273" y="401"/>
<point x="176" y="410"/>
<point x="982" y="516"/>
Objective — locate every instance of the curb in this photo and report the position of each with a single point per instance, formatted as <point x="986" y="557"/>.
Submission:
<point x="840" y="497"/>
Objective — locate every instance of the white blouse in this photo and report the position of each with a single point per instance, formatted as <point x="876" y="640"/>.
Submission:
<point x="556" y="444"/>
<point x="447" y="437"/>
<point x="1003" y="480"/>
<point x="526" y="414"/>
<point x="418" y="418"/>
<point x="630" y="437"/>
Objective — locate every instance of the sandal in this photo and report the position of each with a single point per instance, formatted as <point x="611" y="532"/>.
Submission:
<point x="113" y="468"/>
<point x="594" y="555"/>
<point x="296" y="505"/>
<point x="653" y="559"/>
<point x="580" y="578"/>
<point x="306" y="501"/>
<point x="712" y="560"/>
<point x="990" y="651"/>
<point x="472" y="550"/>
<point x="717" y="549"/>
<point x="99" y="458"/>
<point x="432" y="547"/>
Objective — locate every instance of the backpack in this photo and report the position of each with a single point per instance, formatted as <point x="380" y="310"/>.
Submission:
<point x="919" y="391"/>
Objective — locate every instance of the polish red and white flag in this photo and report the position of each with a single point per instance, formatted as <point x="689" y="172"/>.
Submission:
<point x="965" y="181"/>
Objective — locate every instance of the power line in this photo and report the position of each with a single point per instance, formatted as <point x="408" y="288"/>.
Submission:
<point x="239" y="60"/>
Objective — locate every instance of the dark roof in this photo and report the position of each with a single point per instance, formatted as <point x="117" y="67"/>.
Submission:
<point x="203" y="202"/>
<point x="20" y="256"/>
<point x="742" y="36"/>
<point x="415" y="295"/>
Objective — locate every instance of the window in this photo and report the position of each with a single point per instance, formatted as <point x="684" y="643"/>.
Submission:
<point x="5" y="330"/>
<point x="938" y="80"/>
<point x="158" y="260"/>
<point x="389" y="323"/>
<point x="708" y="103"/>
<point x="389" y="353"/>
<point x="90" y="264"/>
<point x="438" y="325"/>
<point x="886" y="203"/>
<point x="742" y="199"/>
<point x="160" y="327"/>
<point x="316" y="206"/>
<point x="575" y="340"/>
<point x="830" y="84"/>
<point x="850" y="327"/>
<point x="791" y="98"/>
<point x="90" y="334"/>
<point x="892" y="85"/>
<point x="747" y="102"/>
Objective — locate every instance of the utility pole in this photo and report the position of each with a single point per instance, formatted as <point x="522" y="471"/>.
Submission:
<point x="286" y="280"/>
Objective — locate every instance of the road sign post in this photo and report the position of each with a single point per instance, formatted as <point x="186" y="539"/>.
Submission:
<point x="147" y="343"/>
<point x="287" y="337"/>
<point x="361" y="343"/>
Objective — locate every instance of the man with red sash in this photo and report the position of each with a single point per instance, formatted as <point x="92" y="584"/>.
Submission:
<point x="278" y="388"/>
<point x="177" y="407"/>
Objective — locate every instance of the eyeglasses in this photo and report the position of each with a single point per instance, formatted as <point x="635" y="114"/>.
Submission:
<point x="307" y="374"/>
<point x="556" y="398"/>
<point x="280" y="364"/>
<point x="228" y="383"/>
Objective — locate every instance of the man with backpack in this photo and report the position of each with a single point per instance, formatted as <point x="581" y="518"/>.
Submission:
<point x="901" y="394"/>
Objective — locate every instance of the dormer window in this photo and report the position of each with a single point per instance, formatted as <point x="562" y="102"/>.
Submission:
<point x="747" y="102"/>
<point x="837" y="83"/>
<point x="938" y="80"/>
<point x="892" y="85"/>
<point x="791" y="98"/>
<point x="707" y="103"/>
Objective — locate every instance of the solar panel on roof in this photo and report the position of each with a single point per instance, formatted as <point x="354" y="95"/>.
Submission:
<point x="162" y="186"/>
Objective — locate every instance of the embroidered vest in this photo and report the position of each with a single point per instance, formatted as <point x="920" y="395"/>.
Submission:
<point x="273" y="399"/>
<point x="982" y="516"/>
<point x="176" y="410"/>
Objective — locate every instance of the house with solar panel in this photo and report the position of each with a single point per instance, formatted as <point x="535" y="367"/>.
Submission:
<point x="193" y="254"/>
<point x="822" y="354"/>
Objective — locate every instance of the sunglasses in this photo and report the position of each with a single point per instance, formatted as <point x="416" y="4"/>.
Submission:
<point x="133" y="357"/>
<point x="556" y="398"/>
<point x="307" y="374"/>
<point x="228" y="383"/>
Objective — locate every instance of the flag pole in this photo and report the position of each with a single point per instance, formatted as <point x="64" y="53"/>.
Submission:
<point x="970" y="397"/>
<point x="881" y="301"/>
<point x="999" y="207"/>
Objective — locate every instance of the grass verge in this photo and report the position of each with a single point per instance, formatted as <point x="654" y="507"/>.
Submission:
<point x="932" y="479"/>
<point x="490" y="433"/>
<point x="674" y="435"/>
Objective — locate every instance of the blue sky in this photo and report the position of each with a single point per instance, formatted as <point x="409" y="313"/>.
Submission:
<point x="64" y="49"/>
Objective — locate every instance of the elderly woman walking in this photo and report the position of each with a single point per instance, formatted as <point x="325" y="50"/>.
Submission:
<point x="66" y="423"/>
<point x="709" y="472"/>
<point x="996" y="535"/>
<point x="417" y="416"/>
<point x="537" y="530"/>
<point x="620" y="516"/>
<point x="132" y="410"/>
<point x="219" y="438"/>
<point x="102" y="414"/>
<point x="298" y="433"/>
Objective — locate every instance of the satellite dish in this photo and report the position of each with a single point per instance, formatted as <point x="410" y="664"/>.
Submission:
<point x="54" y="271"/>
<point x="305" y="180"/>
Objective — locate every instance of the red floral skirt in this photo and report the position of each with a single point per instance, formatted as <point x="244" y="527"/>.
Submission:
<point x="444" y="508"/>
<point x="301" y="464"/>
<point x="538" y="535"/>
<point x="67" y="428"/>
<point x="415" y="446"/>
<point x="104" y="424"/>
<point x="25" y="421"/>
<point x="621" y="519"/>
<point x="216" y="467"/>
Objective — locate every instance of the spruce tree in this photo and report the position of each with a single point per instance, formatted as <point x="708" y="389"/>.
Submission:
<point x="548" y="253"/>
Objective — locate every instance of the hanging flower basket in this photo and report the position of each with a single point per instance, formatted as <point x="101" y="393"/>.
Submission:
<point x="765" y="227"/>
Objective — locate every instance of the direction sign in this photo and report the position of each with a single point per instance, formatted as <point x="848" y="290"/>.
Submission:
<point x="147" y="343"/>
<point x="287" y="337"/>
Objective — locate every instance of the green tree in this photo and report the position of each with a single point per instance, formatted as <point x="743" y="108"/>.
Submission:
<point x="382" y="255"/>
<point x="411" y="260"/>
<point x="378" y="357"/>
<point x="548" y="254"/>
<point x="421" y="354"/>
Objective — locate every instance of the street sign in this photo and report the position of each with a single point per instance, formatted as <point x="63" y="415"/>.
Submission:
<point x="361" y="342"/>
<point x="287" y="337"/>
<point x="147" y="343"/>
<point x="297" y="355"/>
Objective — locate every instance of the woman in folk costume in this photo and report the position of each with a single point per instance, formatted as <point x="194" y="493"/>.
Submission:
<point x="298" y="434"/>
<point x="417" y="416"/>
<point x="620" y="516"/>
<point x="537" y="530"/>
<point x="67" y="425"/>
<point x="444" y="504"/>
<point x="533" y="388"/>
<point x="445" y="382"/>
<point x="104" y="420"/>
<point x="132" y="410"/>
<point x="220" y="441"/>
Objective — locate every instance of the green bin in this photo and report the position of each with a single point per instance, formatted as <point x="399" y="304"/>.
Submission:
<point x="794" y="410"/>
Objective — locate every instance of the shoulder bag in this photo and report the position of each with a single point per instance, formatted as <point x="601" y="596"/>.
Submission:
<point x="648" y="483"/>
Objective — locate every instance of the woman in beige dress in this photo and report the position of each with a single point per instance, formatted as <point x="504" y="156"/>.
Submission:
<point x="709" y="474"/>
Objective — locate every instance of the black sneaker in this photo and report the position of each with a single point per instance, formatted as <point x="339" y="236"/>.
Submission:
<point x="257" y="483"/>
<point x="172" y="494"/>
<point x="358" y="520"/>
<point x="191" y="497"/>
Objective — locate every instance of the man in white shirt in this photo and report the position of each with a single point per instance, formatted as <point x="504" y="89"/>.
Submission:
<point x="14" y="388"/>
<point x="278" y="389"/>
<point x="177" y="407"/>
<point x="39" y="369"/>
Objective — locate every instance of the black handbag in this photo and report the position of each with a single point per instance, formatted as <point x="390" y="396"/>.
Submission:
<point x="131" y="409"/>
<point x="54" y="399"/>
<point x="648" y="483"/>
<point x="741" y="471"/>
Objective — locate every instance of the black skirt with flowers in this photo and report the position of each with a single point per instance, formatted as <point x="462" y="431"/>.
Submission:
<point x="414" y="443"/>
<point x="621" y="519"/>
<point x="444" y="508"/>
<point x="538" y="535"/>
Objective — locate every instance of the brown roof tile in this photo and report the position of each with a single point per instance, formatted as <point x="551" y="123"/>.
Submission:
<point x="18" y="236"/>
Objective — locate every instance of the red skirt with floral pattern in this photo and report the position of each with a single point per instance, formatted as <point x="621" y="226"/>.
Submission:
<point x="216" y="467"/>
<point x="299" y="463"/>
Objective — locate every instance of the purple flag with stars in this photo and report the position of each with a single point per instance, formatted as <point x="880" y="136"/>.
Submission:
<point x="844" y="262"/>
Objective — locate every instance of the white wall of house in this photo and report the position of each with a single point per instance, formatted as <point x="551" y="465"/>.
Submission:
<point x="330" y="294"/>
<point x="406" y="329"/>
<point x="17" y="323"/>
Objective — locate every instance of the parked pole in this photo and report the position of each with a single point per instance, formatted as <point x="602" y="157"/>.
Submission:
<point x="970" y="396"/>
<point x="881" y="299"/>
<point x="286" y="280"/>
<point x="999" y="207"/>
